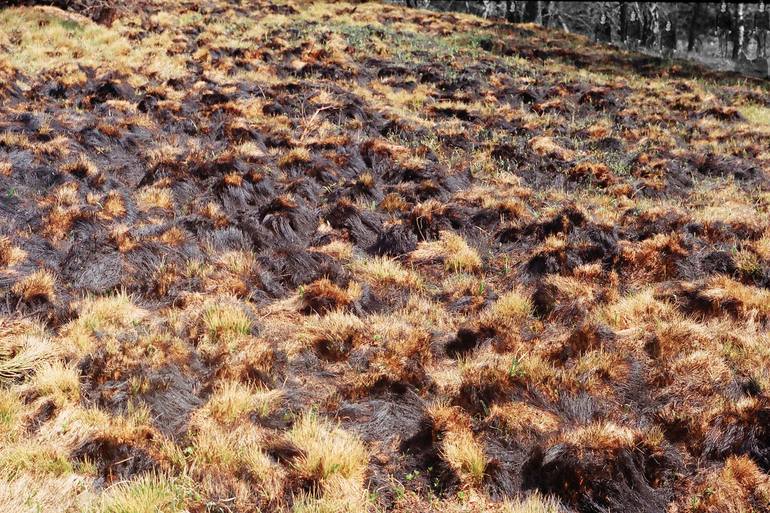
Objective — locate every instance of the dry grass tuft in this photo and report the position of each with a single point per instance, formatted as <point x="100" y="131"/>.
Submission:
<point x="739" y="483"/>
<point x="334" y="334"/>
<point x="466" y="455"/>
<point x="535" y="503"/>
<point x="155" y="197"/>
<point x="223" y="322"/>
<point x="58" y="381"/>
<point x="39" y="286"/>
<point x="21" y="355"/>
<point x="452" y="250"/>
<point x="328" y="450"/>
<point x="384" y="272"/>
<point x="151" y="493"/>
<point x="7" y="252"/>
<point x="547" y="147"/>
<point x="232" y="401"/>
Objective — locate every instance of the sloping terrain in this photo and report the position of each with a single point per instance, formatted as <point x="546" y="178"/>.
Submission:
<point x="330" y="257"/>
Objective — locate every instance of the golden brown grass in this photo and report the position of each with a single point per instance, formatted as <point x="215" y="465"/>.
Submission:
<point x="385" y="272"/>
<point x="234" y="401"/>
<point x="328" y="449"/>
<point x="464" y="453"/>
<point x="578" y="281"/>
<point x="453" y="250"/>
<point x="38" y="285"/>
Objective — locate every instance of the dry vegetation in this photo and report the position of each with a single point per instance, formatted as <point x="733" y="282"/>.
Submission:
<point x="287" y="256"/>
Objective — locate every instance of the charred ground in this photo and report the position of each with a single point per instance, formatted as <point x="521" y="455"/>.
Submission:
<point x="332" y="257"/>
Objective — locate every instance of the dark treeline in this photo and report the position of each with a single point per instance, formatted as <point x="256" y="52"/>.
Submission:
<point x="726" y="30"/>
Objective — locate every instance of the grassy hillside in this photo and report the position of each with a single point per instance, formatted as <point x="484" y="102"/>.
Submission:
<point x="288" y="256"/>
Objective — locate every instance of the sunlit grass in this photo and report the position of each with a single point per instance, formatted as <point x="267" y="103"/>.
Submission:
<point x="756" y="114"/>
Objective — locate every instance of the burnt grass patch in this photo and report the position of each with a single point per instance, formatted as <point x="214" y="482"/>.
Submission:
<point x="302" y="254"/>
<point x="115" y="460"/>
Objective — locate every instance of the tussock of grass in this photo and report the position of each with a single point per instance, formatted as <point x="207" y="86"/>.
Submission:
<point x="11" y="409"/>
<point x="155" y="197"/>
<point x="9" y="254"/>
<point x="101" y="316"/>
<point x="334" y="333"/>
<point x="223" y="322"/>
<point x="58" y="381"/>
<point x="328" y="449"/>
<point x="453" y="250"/>
<point x="151" y="493"/>
<point x="466" y="455"/>
<point x="38" y="285"/>
<point x="756" y="114"/>
<point x="338" y="495"/>
<point x="36" y="458"/>
<point x="535" y="503"/>
<point x="20" y="356"/>
<point x="232" y="400"/>
<point x="33" y="494"/>
<point x="385" y="271"/>
<point x="636" y="307"/>
<point x="509" y="309"/>
<point x="519" y="418"/>
<point x="226" y="449"/>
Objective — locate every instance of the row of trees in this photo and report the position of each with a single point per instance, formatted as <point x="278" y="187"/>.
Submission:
<point x="697" y="27"/>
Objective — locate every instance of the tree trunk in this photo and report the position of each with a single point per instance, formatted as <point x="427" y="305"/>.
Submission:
<point x="530" y="12"/>
<point x="563" y="24"/>
<point x="644" y="21"/>
<point x="692" y="27"/>
<point x="737" y="32"/>
<point x="554" y="14"/>
<point x="545" y="14"/>
<point x="623" y="21"/>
